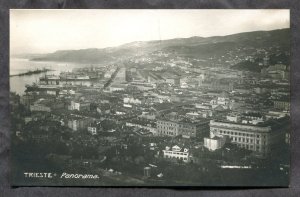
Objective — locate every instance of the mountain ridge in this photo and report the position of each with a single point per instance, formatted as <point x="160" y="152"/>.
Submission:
<point x="195" y="45"/>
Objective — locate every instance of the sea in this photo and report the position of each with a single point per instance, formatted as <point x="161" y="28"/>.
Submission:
<point x="18" y="66"/>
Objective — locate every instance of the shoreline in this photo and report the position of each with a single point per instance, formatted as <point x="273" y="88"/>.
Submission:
<point x="32" y="72"/>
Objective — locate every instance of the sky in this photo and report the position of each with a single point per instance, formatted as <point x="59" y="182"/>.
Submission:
<point x="44" y="31"/>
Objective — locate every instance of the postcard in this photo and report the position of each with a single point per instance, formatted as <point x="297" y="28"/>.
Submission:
<point x="109" y="97"/>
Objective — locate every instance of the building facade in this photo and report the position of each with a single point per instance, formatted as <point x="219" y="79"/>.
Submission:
<point x="92" y="130"/>
<point x="185" y="128"/>
<point x="80" y="106"/>
<point x="79" y="123"/>
<point x="39" y="107"/>
<point x="214" y="143"/>
<point x="167" y="128"/>
<point x="282" y="105"/>
<point x="176" y="153"/>
<point x="250" y="137"/>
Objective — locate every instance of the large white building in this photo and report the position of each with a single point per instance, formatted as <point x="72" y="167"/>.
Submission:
<point x="176" y="152"/>
<point x="132" y="100"/>
<point x="252" y="137"/>
<point x="214" y="143"/>
<point x="74" y="106"/>
<point x="79" y="106"/>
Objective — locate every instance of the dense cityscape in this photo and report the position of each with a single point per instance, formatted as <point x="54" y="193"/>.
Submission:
<point x="160" y="118"/>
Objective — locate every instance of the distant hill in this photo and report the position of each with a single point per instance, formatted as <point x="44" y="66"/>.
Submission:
<point x="202" y="50"/>
<point x="247" y="66"/>
<point x="280" y="58"/>
<point x="26" y="55"/>
<point x="194" y="47"/>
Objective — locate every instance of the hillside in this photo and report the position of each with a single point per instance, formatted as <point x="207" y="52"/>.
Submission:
<point x="247" y="66"/>
<point x="193" y="47"/>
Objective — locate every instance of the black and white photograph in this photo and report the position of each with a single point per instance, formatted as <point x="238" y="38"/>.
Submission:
<point x="150" y="97"/>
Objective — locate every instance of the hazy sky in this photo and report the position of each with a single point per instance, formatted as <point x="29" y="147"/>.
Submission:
<point x="40" y="31"/>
